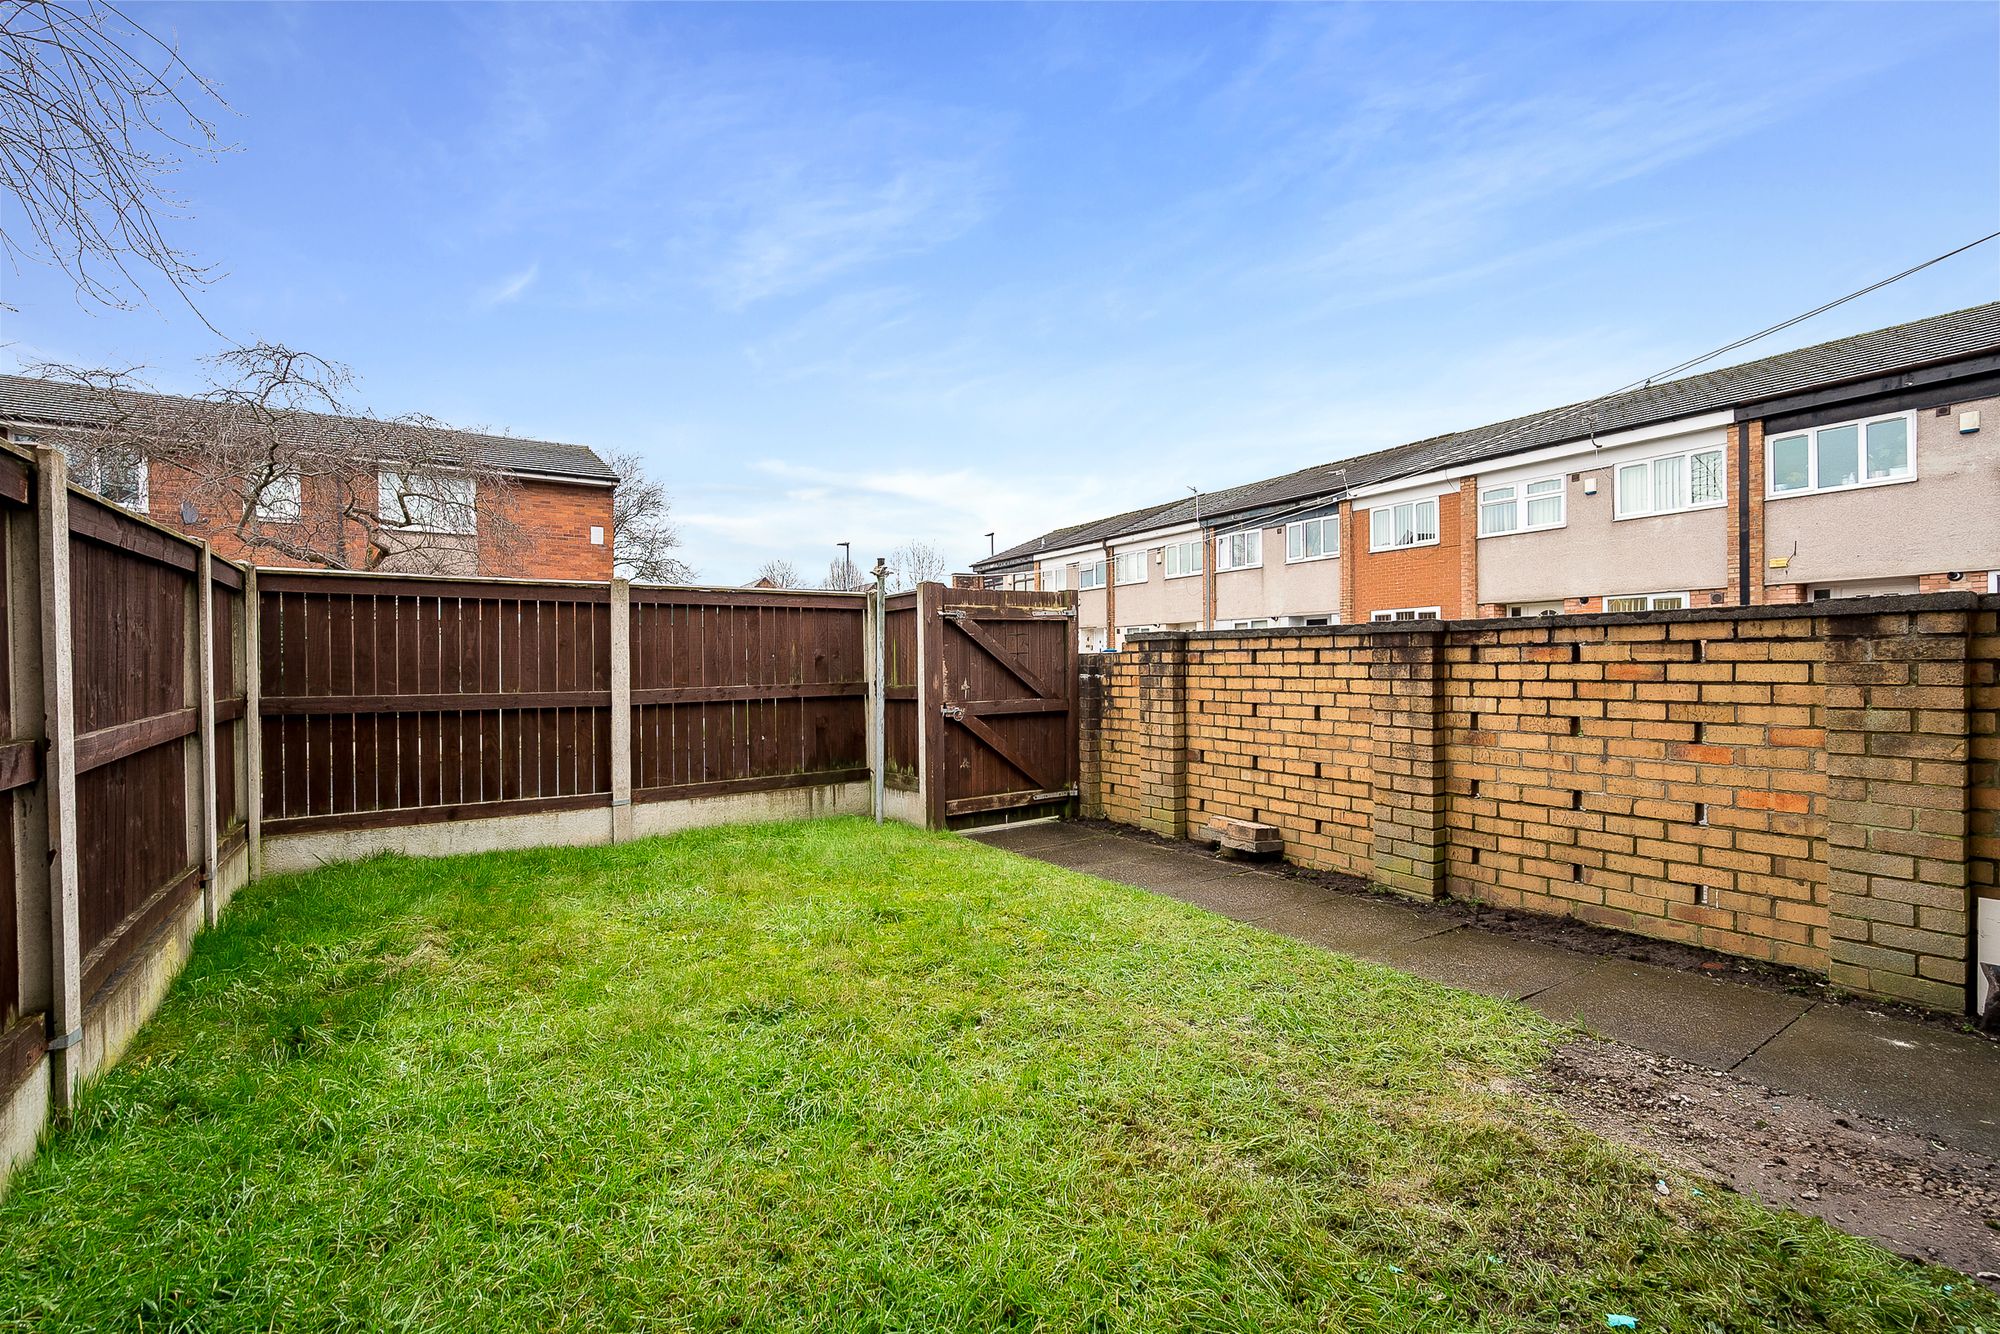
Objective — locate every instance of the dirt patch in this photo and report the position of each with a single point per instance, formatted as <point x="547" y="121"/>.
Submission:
<point x="1865" y="1176"/>
<point x="1570" y="934"/>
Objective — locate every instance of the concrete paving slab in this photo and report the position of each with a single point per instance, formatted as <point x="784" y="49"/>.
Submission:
<point x="1676" y="1014"/>
<point x="1946" y="1085"/>
<point x="1030" y="838"/>
<point x="1247" y="898"/>
<point x="1491" y="965"/>
<point x="1351" y="924"/>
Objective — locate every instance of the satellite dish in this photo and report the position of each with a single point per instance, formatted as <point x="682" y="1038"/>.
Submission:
<point x="189" y="514"/>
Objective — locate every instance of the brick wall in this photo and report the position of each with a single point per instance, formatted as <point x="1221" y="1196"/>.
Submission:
<point x="1983" y="759"/>
<point x="1814" y="786"/>
<point x="554" y="520"/>
<point x="1442" y="576"/>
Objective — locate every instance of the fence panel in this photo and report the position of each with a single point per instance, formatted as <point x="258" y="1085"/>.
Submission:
<point x="130" y="621"/>
<point x="899" y="675"/>
<point x="403" y="701"/>
<point x="737" y="691"/>
<point x="230" y="692"/>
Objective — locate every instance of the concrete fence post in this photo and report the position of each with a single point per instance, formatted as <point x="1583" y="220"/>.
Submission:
<point x="205" y="725"/>
<point x="1162" y="666"/>
<point x="1898" y="768"/>
<point x="59" y="778"/>
<point x="1409" y="835"/>
<point x="621" y="711"/>
<point x="875" y="626"/>
<point x="253" y="723"/>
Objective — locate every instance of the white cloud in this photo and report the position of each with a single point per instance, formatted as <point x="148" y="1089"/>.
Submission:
<point x="512" y="287"/>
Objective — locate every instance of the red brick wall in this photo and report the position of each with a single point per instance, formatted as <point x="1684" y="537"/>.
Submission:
<point x="554" y="521"/>
<point x="1435" y="576"/>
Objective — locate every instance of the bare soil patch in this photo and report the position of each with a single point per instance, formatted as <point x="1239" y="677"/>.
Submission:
<point x="1863" y="1175"/>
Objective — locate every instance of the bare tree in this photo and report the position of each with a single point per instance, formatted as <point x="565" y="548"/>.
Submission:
<point x="643" y="535"/>
<point x="917" y="562"/>
<point x="95" y="114"/>
<point x="843" y="576"/>
<point x="780" y="574"/>
<point x="274" y="456"/>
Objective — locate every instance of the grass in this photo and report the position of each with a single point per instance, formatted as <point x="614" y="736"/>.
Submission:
<point x="825" y="1076"/>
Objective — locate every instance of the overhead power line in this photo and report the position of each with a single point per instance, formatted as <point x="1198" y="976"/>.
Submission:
<point x="1576" y="409"/>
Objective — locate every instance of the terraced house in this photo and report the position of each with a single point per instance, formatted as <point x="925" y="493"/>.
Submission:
<point x="336" y="491"/>
<point x="1866" y="465"/>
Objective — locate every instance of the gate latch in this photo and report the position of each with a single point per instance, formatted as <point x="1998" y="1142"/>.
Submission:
<point x="951" y="711"/>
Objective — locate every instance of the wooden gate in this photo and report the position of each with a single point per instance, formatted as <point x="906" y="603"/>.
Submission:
<point x="1001" y="675"/>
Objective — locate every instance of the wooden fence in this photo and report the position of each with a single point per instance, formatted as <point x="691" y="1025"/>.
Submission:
<point x="171" y="724"/>
<point x="124" y="702"/>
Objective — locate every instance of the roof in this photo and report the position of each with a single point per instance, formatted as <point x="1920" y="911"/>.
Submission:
<point x="1902" y="347"/>
<point x="55" y="403"/>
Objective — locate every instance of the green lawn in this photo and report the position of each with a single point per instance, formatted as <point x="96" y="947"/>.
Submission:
<point x="833" y="1077"/>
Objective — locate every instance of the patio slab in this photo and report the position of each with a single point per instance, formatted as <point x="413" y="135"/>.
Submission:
<point x="1697" y="1019"/>
<point x="1946" y="1085"/>
<point x="1492" y="965"/>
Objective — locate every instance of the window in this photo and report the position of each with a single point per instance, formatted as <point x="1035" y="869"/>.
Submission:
<point x="1090" y="574"/>
<point x="1129" y="567"/>
<point x="1325" y="619"/>
<point x="1052" y="579"/>
<point x="1670" y="483"/>
<point x="1260" y="623"/>
<point x="1240" y="551"/>
<point x="1406" y="614"/>
<point x="278" y="502"/>
<point x="1865" y="588"/>
<point x="439" y="503"/>
<point x="1414" y="523"/>
<point x="1834" y="458"/>
<point x="117" y="475"/>
<point x="1183" y="558"/>
<point x="1312" y="539"/>
<point x="1521" y="507"/>
<point x="1648" y="602"/>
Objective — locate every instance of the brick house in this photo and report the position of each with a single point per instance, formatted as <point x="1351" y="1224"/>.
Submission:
<point x="555" y="508"/>
<point x="1865" y="465"/>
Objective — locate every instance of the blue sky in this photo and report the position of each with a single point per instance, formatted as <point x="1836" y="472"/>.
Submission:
<point x="924" y="271"/>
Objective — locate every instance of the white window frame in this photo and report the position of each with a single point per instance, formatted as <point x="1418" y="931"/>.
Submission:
<point x="1686" y="601"/>
<point x="1316" y="618"/>
<point x="1407" y="614"/>
<point x="1811" y="434"/>
<point x="1687" y="457"/>
<point x="288" y="493"/>
<point x="1329" y="538"/>
<point x="1413" y="506"/>
<point x="385" y="490"/>
<point x="1224" y="541"/>
<point x="1517" y="500"/>
<point x="1128" y="560"/>
<point x="1052" y="579"/>
<point x="1518" y="610"/>
<point x="1252" y="623"/>
<point x="87" y="471"/>
<point x="1188" y="550"/>
<point x="1090" y="574"/>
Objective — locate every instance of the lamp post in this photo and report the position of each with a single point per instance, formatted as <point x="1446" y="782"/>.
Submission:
<point x="846" y="566"/>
